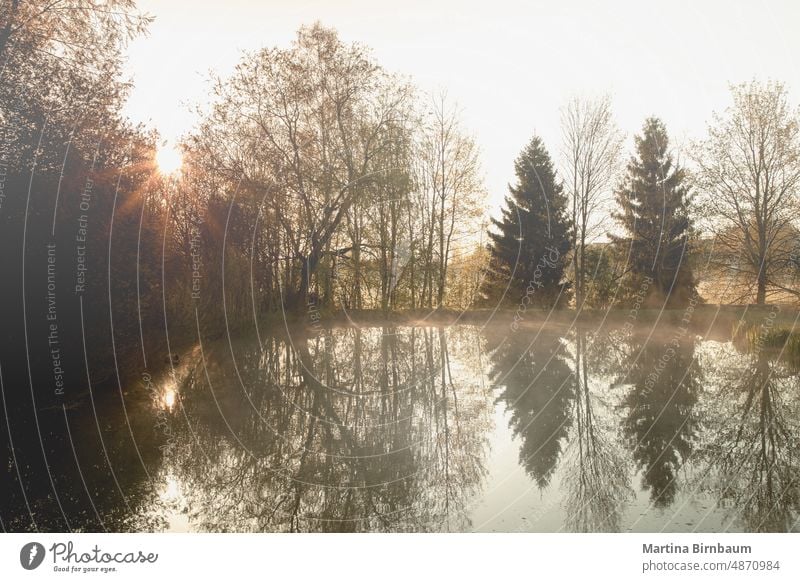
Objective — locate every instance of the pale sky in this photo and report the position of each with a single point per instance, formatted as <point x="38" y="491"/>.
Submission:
<point x="510" y="65"/>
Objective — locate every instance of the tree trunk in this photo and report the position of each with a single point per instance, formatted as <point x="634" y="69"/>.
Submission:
<point x="308" y="269"/>
<point x="761" y="293"/>
<point x="5" y="33"/>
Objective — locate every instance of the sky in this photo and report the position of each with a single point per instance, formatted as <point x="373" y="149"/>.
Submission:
<point x="510" y="66"/>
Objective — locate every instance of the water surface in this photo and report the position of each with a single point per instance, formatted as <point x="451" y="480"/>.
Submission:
<point x="460" y="428"/>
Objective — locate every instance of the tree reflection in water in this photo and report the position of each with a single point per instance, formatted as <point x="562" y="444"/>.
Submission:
<point x="394" y="429"/>
<point x="534" y="383"/>
<point x="596" y="476"/>
<point x="663" y="382"/>
<point x="753" y="456"/>
<point x="545" y="384"/>
<point x="375" y="429"/>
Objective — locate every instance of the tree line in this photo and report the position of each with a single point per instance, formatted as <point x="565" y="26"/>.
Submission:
<point x="722" y="224"/>
<point x="316" y="179"/>
<point x="363" y="194"/>
<point x="348" y="187"/>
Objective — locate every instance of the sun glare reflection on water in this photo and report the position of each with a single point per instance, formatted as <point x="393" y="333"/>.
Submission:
<point x="169" y="398"/>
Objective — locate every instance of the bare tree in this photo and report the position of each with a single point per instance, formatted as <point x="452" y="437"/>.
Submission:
<point x="62" y="60"/>
<point x="591" y="161"/>
<point x="305" y="127"/>
<point x="749" y="174"/>
<point x="391" y="204"/>
<point x="69" y="30"/>
<point x="449" y="178"/>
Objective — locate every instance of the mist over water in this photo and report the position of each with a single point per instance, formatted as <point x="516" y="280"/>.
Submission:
<point x="408" y="428"/>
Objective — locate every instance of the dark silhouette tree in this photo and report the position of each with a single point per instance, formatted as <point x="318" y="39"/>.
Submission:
<point x="653" y="201"/>
<point x="529" y="250"/>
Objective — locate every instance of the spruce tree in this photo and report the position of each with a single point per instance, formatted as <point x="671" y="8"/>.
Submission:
<point x="530" y="246"/>
<point x="653" y="201"/>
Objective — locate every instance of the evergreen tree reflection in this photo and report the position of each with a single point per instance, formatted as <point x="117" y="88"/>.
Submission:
<point x="535" y="385"/>
<point x="660" y="422"/>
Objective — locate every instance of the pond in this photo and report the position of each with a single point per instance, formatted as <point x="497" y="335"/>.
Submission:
<point x="432" y="429"/>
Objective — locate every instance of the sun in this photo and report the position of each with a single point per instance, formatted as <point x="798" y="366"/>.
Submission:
<point x="169" y="159"/>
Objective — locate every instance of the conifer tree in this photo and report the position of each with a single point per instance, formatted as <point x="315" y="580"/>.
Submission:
<point x="530" y="246"/>
<point x="653" y="201"/>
